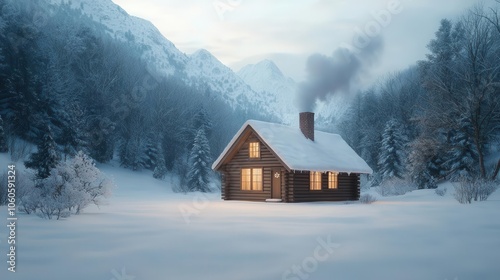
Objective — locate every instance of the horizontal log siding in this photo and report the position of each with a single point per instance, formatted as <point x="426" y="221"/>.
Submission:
<point x="232" y="170"/>
<point x="348" y="188"/>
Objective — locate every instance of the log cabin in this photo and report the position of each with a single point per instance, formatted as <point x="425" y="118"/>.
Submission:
<point x="278" y="163"/>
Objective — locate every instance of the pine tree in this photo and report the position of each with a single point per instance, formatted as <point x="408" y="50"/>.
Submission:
<point x="151" y="151"/>
<point x="392" y="155"/>
<point x="46" y="157"/>
<point x="462" y="156"/>
<point x="200" y="121"/>
<point x="199" y="161"/>
<point x="132" y="153"/>
<point x="3" y="140"/>
<point x="160" y="169"/>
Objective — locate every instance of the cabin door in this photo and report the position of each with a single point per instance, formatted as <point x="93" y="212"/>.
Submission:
<point x="276" y="185"/>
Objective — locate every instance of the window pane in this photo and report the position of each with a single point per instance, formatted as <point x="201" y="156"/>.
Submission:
<point x="246" y="183"/>
<point x="257" y="179"/>
<point x="254" y="150"/>
<point x="333" y="181"/>
<point x="315" y="180"/>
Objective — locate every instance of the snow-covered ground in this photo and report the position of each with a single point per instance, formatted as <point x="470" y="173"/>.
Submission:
<point x="147" y="232"/>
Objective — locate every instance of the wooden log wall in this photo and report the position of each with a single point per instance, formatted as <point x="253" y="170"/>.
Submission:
<point x="232" y="173"/>
<point x="348" y="188"/>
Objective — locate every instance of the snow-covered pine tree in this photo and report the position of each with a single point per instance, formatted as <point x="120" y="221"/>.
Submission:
<point x="132" y="153"/>
<point x="462" y="156"/>
<point x="199" y="163"/>
<point x="160" y="169"/>
<point x="392" y="152"/>
<point x="3" y="140"/>
<point x="151" y="151"/>
<point x="200" y="121"/>
<point x="45" y="158"/>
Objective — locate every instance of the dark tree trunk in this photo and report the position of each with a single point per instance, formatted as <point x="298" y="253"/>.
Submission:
<point x="497" y="169"/>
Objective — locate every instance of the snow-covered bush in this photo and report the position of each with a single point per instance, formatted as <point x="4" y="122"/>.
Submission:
<point x="367" y="198"/>
<point x="71" y="186"/>
<point x="395" y="186"/>
<point x="441" y="192"/>
<point x="29" y="202"/>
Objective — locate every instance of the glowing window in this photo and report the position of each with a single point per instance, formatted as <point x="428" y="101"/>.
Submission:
<point x="251" y="179"/>
<point x="246" y="179"/>
<point x="315" y="181"/>
<point x="254" y="150"/>
<point x="333" y="182"/>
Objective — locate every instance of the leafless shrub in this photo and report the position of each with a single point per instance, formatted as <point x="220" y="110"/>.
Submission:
<point x="19" y="149"/>
<point x="441" y="192"/>
<point x="485" y="189"/>
<point x="464" y="191"/>
<point x="367" y="198"/>
<point x="467" y="190"/>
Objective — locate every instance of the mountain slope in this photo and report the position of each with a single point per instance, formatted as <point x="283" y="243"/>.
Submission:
<point x="201" y="69"/>
<point x="261" y="87"/>
<point x="266" y="78"/>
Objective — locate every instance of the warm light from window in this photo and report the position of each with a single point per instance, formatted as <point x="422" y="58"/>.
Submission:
<point x="254" y="150"/>
<point x="257" y="179"/>
<point x="315" y="183"/>
<point x="333" y="182"/>
<point x="246" y="179"/>
<point x="251" y="179"/>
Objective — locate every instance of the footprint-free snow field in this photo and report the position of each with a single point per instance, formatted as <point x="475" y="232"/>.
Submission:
<point x="147" y="232"/>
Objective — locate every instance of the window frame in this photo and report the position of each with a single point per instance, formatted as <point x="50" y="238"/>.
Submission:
<point x="252" y="181"/>
<point x="333" y="180"/>
<point x="315" y="180"/>
<point x="252" y="152"/>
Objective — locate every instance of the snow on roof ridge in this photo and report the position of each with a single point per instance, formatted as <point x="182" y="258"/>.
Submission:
<point x="329" y="152"/>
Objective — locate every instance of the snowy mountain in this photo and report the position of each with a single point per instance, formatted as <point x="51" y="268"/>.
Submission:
<point x="266" y="78"/>
<point x="205" y="70"/>
<point x="200" y="69"/>
<point x="122" y="26"/>
<point x="260" y="87"/>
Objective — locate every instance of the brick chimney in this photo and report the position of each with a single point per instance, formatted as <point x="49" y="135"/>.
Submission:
<point x="306" y="120"/>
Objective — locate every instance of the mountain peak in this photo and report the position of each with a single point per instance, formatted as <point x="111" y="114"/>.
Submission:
<point x="268" y="65"/>
<point x="203" y="54"/>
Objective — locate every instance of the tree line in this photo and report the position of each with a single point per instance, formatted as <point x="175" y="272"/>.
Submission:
<point x="439" y="119"/>
<point x="67" y="85"/>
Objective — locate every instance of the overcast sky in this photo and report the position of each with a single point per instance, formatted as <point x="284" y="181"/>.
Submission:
<point x="240" y="32"/>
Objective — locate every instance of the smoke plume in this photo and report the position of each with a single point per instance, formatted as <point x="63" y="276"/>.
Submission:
<point x="327" y="75"/>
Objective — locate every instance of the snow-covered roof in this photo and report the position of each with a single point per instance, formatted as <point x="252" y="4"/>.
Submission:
<point x="328" y="152"/>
